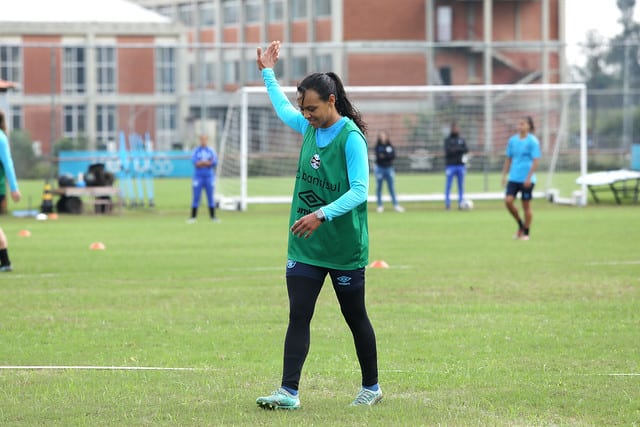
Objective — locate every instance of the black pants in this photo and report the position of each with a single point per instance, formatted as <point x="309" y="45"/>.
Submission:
<point x="304" y="283"/>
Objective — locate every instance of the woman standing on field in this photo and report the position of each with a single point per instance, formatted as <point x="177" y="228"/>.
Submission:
<point x="523" y="156"/>
<point x="7" y="165"/>
<point x="328" y="231"/>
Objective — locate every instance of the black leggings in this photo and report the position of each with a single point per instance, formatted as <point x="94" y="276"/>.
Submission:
<point x="303" y="293"/>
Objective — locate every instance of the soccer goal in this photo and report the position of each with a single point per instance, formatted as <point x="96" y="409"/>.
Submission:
<point x="258" y="153"/>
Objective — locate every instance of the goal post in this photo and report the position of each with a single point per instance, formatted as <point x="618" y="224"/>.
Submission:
<point x="258" y="153"/>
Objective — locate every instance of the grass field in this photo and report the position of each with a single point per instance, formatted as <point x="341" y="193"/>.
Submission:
<point x="473" y="327"/>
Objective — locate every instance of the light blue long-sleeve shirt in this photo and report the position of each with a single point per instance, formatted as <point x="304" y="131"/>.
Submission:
<point x="7" y="162"/>
<point x="355" y="148"/>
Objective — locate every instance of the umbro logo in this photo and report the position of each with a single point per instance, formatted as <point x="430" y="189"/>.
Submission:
<point x="311" y="199"/>
<point x="344" y="280"/>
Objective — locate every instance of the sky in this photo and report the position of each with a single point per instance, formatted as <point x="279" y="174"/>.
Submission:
<point x="583" y="15"/>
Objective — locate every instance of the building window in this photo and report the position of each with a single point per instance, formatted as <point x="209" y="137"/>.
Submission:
<point x="105" y="123"/>
<point x="11" y="64"/>
<point x="73" y="70"/>
<point x="445" y="75"/>
<point x="230" y="11"/>
<point x="165" y="70"/>
<point x="323" y="8"/>
<point x="231" y="72"/>
<point x="472" y="71"/>
<point x="252" y="73"/>
<point x="166" y="126"/>
<point x="106" y="69"/>
<point x="208" y="68"/>
<point x="207" y="14"/>
<point x="276" y="10"/>
<point x="166" y="11"/>
<point x="185" y="14"/>
<point x="471" y="21"/>
<point x="210" y="73"/>
<point x="445" y="23"/>
<point x="16" y="117"/>
<point x="299" y="9"/>
<point x="300" y="67"/>
<point x="324" y="62"/>
<point x="74" y="121"/>
<point x="252" y="11"/>
<point x="278" y="69"/>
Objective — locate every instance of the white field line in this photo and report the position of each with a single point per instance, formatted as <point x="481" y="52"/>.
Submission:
<point x="99" y="368"/>
<point x="614" y="263"/>
<point x="162" y="368"/>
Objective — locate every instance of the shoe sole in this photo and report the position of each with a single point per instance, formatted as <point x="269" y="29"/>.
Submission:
<point x="272" y="406"/>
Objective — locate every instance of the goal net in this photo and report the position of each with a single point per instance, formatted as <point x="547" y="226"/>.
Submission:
<point x="258" y="153"/>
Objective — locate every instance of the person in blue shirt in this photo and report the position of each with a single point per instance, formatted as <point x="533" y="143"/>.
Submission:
<point x="204" y="160"/>
<point x="7" y="165"/>
<point x="328" y="228"/>
<point x="523" y="157"/>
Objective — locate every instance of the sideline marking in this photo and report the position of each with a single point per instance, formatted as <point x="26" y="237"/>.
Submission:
<point x="161" y="368"/>
<point x="101" y="368"/>
<point x="614" y="263"/>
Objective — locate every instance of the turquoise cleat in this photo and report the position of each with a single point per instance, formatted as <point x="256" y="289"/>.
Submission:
<point x="367" y="397"/>
<point x="280" y="399"/>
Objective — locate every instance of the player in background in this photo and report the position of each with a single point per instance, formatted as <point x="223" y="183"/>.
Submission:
<point x="455" y="149"/>
<point x="385" y="154"/>
<point x="204" y="160"/>
<point x="328" y="230"/>
<point x="7" y="165"/>
<point x="523" y="157"/>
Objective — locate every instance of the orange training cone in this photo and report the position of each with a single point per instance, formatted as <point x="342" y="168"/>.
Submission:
<point x="379" y="264"/>
<point x="24" y="233"/>
<point x="53" y="215"/>
<point x="97" y="246"/>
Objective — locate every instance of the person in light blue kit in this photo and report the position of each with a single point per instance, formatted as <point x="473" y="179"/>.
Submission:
<point x="523" y="157"/>
<point x="204" y="160"/>
<point x="328" y="226"/>
<point x="7" y="164"/>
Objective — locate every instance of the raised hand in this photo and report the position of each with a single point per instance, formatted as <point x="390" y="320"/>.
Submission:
<point x="269" y="57"/>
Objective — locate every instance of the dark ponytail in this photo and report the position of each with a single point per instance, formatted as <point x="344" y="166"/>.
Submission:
<point x="529" y="120"/>
<point x="326" y="84"/>
<point x="3" y="122"/>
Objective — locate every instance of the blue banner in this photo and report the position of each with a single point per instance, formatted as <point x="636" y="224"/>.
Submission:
<point x="174" y="164"/>
<point x="635" y="157"/>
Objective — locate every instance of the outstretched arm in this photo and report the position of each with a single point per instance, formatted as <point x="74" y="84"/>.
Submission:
<point x="266" y="60"/>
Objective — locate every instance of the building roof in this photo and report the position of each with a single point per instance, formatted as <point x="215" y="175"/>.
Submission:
<point x="79" y="11"/>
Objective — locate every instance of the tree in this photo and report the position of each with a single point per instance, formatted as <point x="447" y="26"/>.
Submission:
<point x="626" y="7"/>
<point x="597" y="73"/>
<point x="22" y="153"/>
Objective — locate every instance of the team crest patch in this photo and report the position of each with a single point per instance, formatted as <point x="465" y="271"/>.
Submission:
<point x="315" y="161"/>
